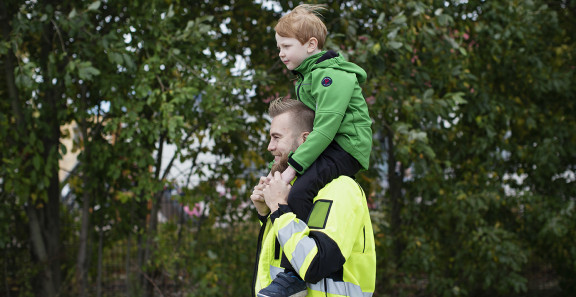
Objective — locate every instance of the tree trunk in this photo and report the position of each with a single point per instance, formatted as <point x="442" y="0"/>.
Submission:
<point x="81" y="267"/>
<point x="153" y="222"/>
<point x="152" y="227"/>
<point x="52" y="225"/>
<point x="40" y="250"/>
<point x="82" y="260"/>
<point x="99" y="277"/>
<point x="50" y="137"/>
<point x="43" y="216"/>
<point x="395" y="177"/>
<point x="45" y="219"/>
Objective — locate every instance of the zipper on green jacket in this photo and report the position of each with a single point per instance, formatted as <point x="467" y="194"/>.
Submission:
<point x="301" y="78"/>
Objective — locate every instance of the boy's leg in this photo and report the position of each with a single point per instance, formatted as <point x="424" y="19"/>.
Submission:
<point x="332" y="163"/>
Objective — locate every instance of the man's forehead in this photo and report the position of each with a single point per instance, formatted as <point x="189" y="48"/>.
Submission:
<point x="281" y="124"/>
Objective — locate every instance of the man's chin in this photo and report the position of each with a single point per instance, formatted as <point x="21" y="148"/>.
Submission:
<point x="279" y="166"/>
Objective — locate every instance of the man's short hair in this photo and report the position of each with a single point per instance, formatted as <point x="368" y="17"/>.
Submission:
<point x="303" y="23"/>
<point x="303" y="116"/>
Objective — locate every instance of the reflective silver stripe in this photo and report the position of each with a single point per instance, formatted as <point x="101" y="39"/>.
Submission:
<point x="302" y="250"/>
<point x="285" y="233"/>
<point x="339" y="288"/>
<point x="274" y="271"/>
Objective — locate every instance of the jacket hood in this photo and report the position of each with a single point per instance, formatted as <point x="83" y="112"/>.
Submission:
<point x="330" y="59"/>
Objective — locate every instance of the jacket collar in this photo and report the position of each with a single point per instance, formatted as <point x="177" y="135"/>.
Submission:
<point x="309" y="63"/>
<point x="327" y="55"/>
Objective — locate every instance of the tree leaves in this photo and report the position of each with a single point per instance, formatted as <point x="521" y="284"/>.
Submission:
<point x="444" y="87"/>
<point x="86" y="71"/>
<point x="472" y="103"/>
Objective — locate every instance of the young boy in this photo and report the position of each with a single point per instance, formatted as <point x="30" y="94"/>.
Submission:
<point x="341" y="140"/>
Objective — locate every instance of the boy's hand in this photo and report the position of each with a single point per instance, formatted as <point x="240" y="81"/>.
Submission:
<point x="288" y="174"/>
<point x="276" y="192"/>
<point x="257" y="196"/>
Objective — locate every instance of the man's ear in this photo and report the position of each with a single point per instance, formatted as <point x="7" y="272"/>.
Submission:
<point x="303" y="136"/>
<point x="312" y="44"/>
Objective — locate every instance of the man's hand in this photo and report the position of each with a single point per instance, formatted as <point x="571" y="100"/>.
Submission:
<point x="288" y="174"/>
<point x="276" y="192"/>
<point x="257" y="196"/>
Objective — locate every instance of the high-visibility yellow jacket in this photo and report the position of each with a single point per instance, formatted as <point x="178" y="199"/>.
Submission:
<point x="334" y="252"/>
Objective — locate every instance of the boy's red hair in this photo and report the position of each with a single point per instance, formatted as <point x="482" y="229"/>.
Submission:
<point x="303" y="23"/>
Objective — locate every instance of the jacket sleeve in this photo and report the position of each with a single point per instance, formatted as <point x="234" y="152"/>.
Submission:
<point x="316" y="253"/>
<point x="332" y="101"/>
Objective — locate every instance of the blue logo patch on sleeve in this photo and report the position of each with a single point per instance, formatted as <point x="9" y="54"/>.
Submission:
<point x="326" y="81"/>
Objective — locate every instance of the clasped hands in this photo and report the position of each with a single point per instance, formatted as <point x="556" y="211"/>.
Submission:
<point x="270" y="191"/>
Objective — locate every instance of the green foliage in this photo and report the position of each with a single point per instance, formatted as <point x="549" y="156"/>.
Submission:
<point x="457" y="93"/>
<point x="474" y="145"/>
<point x="206" y="259"/>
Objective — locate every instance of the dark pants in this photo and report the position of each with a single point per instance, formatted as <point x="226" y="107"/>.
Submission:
<point x="332" y="163"/>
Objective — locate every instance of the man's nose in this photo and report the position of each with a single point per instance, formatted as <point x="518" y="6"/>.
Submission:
<point x="271" y="146"/>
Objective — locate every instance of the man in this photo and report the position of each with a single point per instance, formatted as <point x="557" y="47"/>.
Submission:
<point x="333" y="251"/>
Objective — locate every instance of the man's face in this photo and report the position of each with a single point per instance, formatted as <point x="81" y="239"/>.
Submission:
<point x="292" y="52"/>
<point x="283" y="139"/>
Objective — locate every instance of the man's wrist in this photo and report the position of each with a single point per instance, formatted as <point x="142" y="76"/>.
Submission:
<point x="263" y="214"/>
<point x="274" y="208"/>
<point x="282" y="209"/>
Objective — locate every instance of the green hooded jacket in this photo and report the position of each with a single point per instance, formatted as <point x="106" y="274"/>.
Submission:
<point x="330" y="86"/>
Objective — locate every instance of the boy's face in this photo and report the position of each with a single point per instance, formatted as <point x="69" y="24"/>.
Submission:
<point x="292" y="52"/>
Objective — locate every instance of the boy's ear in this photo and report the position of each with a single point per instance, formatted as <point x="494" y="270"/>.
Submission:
<point x="312" y="44"/>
